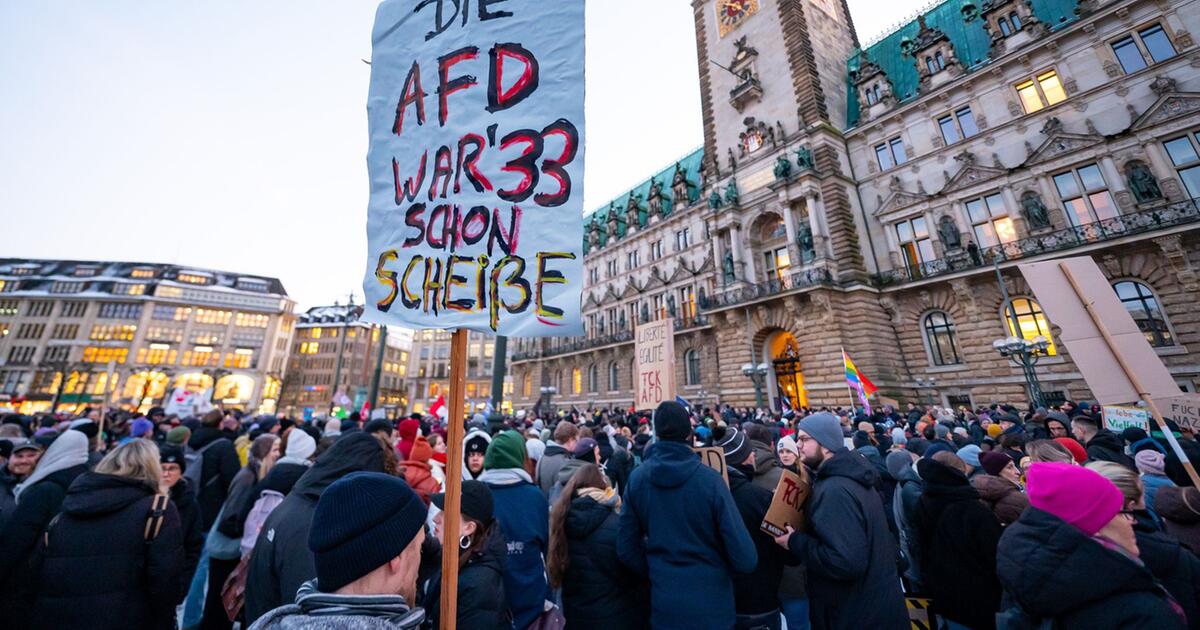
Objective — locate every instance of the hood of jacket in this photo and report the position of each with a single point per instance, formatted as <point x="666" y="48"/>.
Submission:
<point x="845" y="463"/>
<point x="353" y="453"/>
<point x="670" y="464"/>
<point x="472" y="434"/>
<point x="585" y="516"/>
<point x="944" y="483"/>
<point x="907" y="474"/>
<point x="764" y="458"/>
<point x="1108" y="441"/>
<point x="204" y="436"/>
<point x="1171" y="503"/>
<point x="182" y="495"/>
<point x="553" y="449"/>
<point x="94" y="494"/>
<point x="1050" y="567"/>
<point x="992" y="488"/>
<point x="568" y="468"/>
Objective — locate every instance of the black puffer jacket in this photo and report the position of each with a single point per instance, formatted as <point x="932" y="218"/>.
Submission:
<point x="1171" y="563"/>
<point x="39" y="503"/>
<point x="1106" y="446"/>
<point x="1052" y="571"/>
<point x="850" y="554"/>
<point x="193" y="536"/>
<point x="598" y="591"/>
<point x="756" y="592"/>
<point x="281" y="561"/>
<point x="481" y="599"/>
<point x="960" y="536"/>
<point x="221" y="463"/>
<point x="98" y="571"/>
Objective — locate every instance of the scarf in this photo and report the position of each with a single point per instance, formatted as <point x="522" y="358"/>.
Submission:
<point x="505" y="476"/>
<point x="392" y="608"/>
<point x="606" y="497"/>
<point x="68" y="450"/>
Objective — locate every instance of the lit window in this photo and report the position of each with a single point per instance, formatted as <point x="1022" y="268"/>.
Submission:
<point x="113" y="333"/>
<point x="990" y="221"/>
<point x="314" y="333"/>
<point x="1043" y="91"/>
<point x="777" y="263"/>
<point x="939" y="334"/>
<point x="193" y="278"/>
<point x="1144" y="309"/>
<point x="126" y="288"/>
<point x="240" y="358"/>
<point x="1085" y="195"/>
<point x="93" y="354"/>
<point x="143" y="273"/>
<point x="201" y="356"/>
<point x="8" y="308"/>
<point x="1184" y="155"/>
<point x="251" y="320"/>
<point x="156" y="354"/>
<point x="171" y="313"/>
<point x="210" y="316"/>
<point x="1032" y="321"/>
<point x="8" y="286"/>
<point x="576" y="380"/>
<point x="915" y="245"/>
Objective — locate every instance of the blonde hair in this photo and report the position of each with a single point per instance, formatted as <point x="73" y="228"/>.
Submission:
<point x="137" y="460"/>
<point x="1124" y="479"/>
<point x="1048" y="451"/>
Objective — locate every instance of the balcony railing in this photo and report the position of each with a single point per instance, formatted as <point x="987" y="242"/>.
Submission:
<point x="580" y="344"/>
<point x="1170" y="215"/>
<point x="816" y="276"/>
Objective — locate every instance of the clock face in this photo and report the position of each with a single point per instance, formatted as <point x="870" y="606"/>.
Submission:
<point x="731" y="13"/>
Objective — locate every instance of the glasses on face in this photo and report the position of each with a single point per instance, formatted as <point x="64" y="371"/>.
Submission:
<point x="801" y="439"/>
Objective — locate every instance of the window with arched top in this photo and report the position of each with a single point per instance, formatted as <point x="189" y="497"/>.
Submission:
<point x="527" y="385"/>
<point x="593" y="378"/>
<point x="1144" y="308"/>
<point x="1031" y="320"/>
<point x="940" y="338"/>
<point x="691" y="362"/>
<point x="558" y="383"/>
<point x="613" y="373"/>
<point x="576" y="381"/>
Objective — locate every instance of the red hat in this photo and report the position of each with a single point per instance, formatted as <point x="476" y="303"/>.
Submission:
<point x="408" y="429"/>
<point x="1075" y="494"/>
<point x="421" y="450"/>
<point x="1077" y="450"/>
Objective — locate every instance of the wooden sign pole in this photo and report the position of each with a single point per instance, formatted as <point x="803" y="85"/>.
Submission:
<point x="1131" y="374"/>
<point x="454" y="458"/>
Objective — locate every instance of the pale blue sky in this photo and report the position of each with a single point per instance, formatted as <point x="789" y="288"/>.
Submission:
<point x="232" y="134"/>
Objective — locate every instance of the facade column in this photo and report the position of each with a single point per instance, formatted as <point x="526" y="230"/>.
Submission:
<point x="1013" y="205"/>
<point x="1116" y="184"/>
<point x="822" y="244"/>
<point x="789" y="223"/>
<point x="965" y="227"/>
<point x="1164" y="171"/>
<point x="1054" y="207"/>
<point x="718" y="248"/>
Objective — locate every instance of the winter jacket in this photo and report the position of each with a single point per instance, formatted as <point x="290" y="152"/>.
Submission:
<point x="548" y="466"/>
<point x="618" y="468"/>
<point x="8" y="502"/>
<point x="524" y="517"/>
<point x="98" y="571"/>
<point x="564" y="475"/>
<point x="241" y="489"/>
<point x="1053" y="572"/>
<point x="767" y="469"/>
<point x="599" y="592"/>
<point x="959" y="536"/>
<point x="905" y="504"/>
<point x="281" y="479"/>
<point x="1150" y="485"/>
<point x="315" y="610"/>
<point x="848" y="550"/>
<point x="1179" y="508"/>
<point x="189" y="525"/>
<point x="680" y="527"/>
<point x="756" y="592"/>
<point x="281" y="561"/>
<point x="481" y="597"/>
<point x="1106" y="446"/>
<point x="220" y="465"/>
<point x="39" y="503"/>
<point x="1003" y="497"/>
<point x="419" y="477"/>
<point x="1171" y="564"/>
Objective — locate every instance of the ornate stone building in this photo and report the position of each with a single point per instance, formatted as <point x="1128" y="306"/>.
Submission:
<point x="867" y="198"/>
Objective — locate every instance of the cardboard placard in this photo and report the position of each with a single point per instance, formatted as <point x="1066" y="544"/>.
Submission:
<point x="1117" y="419"/>
<point x="1183" y="409"/>
<point x="654" y="351"/>
<point x="787" y="508"/>
<point x="714" y="458"/>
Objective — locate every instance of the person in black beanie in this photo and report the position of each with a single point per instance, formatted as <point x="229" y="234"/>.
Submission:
<point x="366" y="539"/>
<point x="681" y="528"/>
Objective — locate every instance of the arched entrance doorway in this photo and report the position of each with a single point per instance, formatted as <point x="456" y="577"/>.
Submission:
<point x="786" y="378"/>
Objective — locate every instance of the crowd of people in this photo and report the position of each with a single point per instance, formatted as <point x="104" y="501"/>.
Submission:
<point x="997" y="517"/>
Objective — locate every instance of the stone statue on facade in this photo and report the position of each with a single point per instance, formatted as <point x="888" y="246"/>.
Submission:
<point x="727" y="267"/>
<point x="804" y="240"/>
<point x="645" y="312"/>
<point x="621" y="321"/>
<point x="948" y="232"/>
<point x="804" y="158"/>
<point x="731" y="193"/>
<point x="1142" y="183"/>
<point x="671" y="305"/>
<point x="1034" y="211"/>
<point x="783" y="168"/>
<point x="714" y="201"/>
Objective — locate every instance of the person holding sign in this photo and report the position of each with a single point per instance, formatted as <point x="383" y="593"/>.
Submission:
<point x="681" y="528"/>
<point x="846" y="545"/>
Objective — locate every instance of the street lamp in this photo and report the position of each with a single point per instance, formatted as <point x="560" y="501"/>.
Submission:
<point x="929" y="383"/>
<point x="1025" y="354"/>
<point x="757" y="374"/>
<point x="548" y="392"/>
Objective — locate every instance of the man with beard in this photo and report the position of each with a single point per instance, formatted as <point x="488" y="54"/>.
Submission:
<point x="846" y="546"/>
<point x="20" y="463"/>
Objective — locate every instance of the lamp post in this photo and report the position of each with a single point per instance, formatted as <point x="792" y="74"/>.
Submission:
<point x="929" y="383"/>
<point x="548" y="392"/>
<point x="757" y="374"/>
<point x="1025" y="354"/>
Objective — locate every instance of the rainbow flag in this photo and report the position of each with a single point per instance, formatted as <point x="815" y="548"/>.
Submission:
<point x="856" y="378"/>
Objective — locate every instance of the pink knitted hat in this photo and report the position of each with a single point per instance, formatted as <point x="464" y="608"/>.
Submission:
<point x="1075" y="494"/>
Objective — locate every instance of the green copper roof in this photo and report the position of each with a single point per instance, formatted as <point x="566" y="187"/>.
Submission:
<point x="691" y="169"/>
<point x="969" y="39"/>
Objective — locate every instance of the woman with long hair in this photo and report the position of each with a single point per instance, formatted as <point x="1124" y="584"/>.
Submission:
<point x="597" y="590"/>
<point x="113" y="557"/>
<point x="481" y="552"/>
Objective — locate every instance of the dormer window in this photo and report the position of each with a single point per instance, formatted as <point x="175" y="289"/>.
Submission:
<point x="193" y="277"/>
<point x="935" y="63"/>
<point x="85" y="271"/>
<point x="1008" y="24"/>
<point x="24" y="270"/>
<point x="142" y="273"/>
<point x="872" y="94"/>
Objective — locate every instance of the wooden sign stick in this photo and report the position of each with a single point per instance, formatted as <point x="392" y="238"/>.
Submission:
<point x="454" y="457"/>
<point x="1131" y="375"/>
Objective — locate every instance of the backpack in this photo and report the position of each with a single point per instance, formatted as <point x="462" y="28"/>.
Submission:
<point x="266" y="503"/>
<point x="154" y="521"/>
<point x="194" y="465"/>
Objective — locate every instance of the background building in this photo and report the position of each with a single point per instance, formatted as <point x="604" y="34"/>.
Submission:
<point x="857" y="197"/>
<point x="429" y="370"/>
<point x="317" y="381"/>
<point x="64" y="325"/>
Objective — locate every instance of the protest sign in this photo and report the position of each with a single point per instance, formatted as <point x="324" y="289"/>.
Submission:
<point x="475" y="113"/>
<point x="787" y="506"/>
<point x="1117" y="419"/>
<point x="1184" y="409"/>
<point x="181" y="403"/>
<point x="714" y="458"/>
<point x="654" y="351"/>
